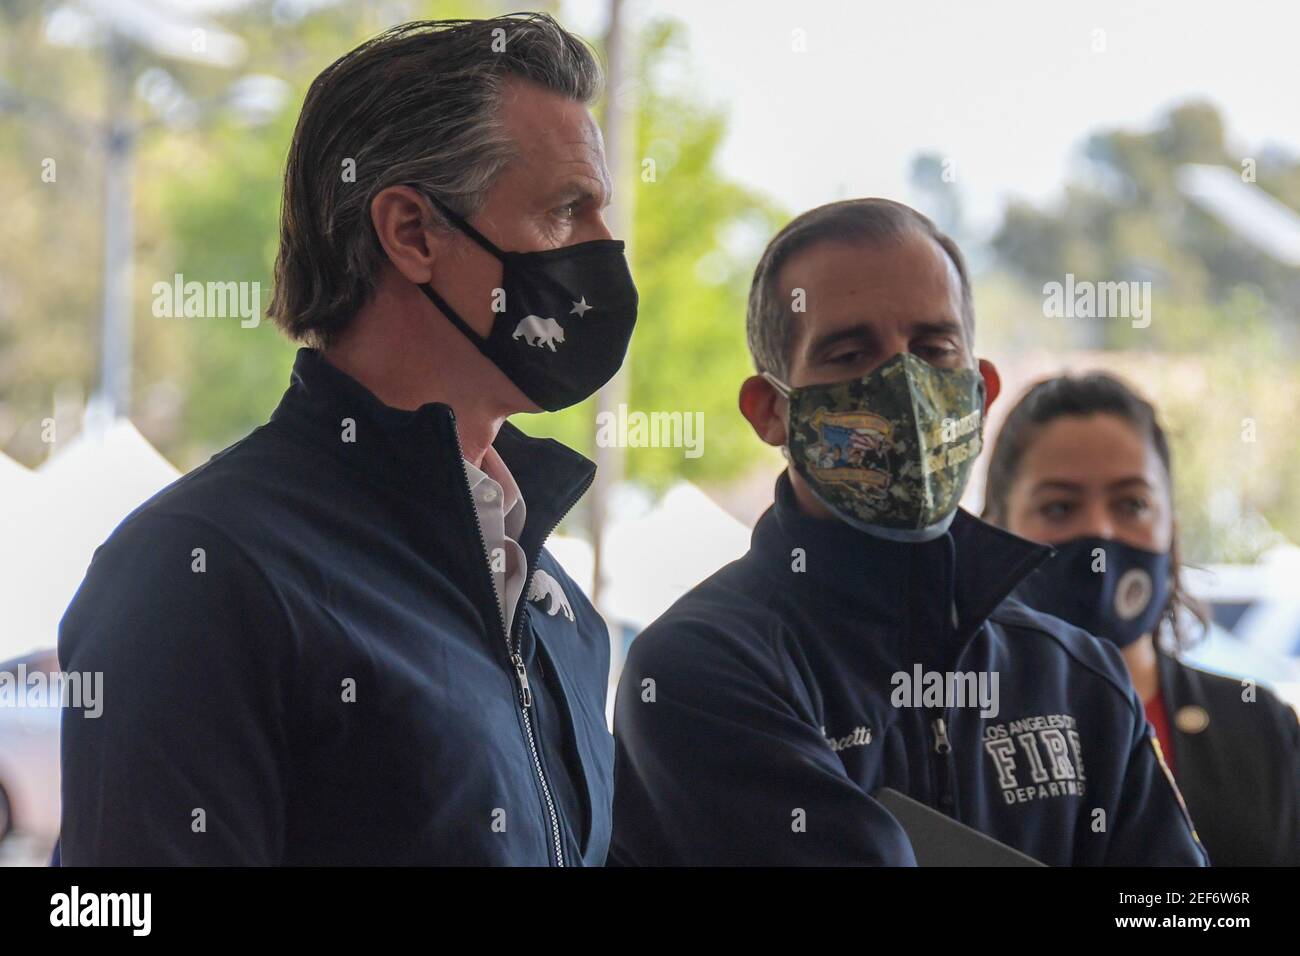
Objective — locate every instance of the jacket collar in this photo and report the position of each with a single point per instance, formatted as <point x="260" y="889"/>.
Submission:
<point x="972" y="567"/>
<point x="418" y="452"/>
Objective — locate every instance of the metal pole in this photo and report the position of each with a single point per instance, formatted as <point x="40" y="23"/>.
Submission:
<point x="114" y="394"/>
<point x="620" y="143"/>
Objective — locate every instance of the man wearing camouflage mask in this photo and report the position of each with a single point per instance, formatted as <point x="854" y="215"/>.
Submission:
<point x="866" y="640"/>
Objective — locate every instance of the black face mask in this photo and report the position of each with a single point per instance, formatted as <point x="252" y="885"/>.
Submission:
<point x="1108" y="588"/>
<point x="567" y="319"/>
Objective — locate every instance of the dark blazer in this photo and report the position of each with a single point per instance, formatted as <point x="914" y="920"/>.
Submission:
<point x="1237" y="765"/>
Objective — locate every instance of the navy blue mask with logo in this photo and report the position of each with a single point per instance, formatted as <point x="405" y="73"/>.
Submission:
<point x="1110" y="589"/>
<point x="567" y="318"/>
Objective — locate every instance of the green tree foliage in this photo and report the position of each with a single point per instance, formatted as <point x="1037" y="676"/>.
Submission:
<point x="50" y="249"/>
<point x="1125" y="218"/>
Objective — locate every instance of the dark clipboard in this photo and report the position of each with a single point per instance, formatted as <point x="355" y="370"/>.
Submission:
<point x="939" y="840"/>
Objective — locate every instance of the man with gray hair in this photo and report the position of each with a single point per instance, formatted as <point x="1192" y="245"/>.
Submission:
<point x="341" y="640"/>
<point x="867" y="641"/>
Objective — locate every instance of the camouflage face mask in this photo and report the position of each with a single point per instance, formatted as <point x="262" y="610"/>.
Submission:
<point x="890" y="453"/>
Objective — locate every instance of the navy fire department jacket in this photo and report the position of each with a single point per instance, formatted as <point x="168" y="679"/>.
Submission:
<point x="304" y="660"/>
<point x="756" y="718"/>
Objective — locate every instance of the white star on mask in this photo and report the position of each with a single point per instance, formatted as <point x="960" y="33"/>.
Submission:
<point x="580" y="307"/>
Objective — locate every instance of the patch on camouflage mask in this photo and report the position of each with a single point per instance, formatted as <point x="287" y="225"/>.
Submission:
<point x="851" y="447"/>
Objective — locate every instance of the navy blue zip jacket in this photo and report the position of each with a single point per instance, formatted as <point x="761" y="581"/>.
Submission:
<point x="756" y="717"/>
<point x="304" y="660"/>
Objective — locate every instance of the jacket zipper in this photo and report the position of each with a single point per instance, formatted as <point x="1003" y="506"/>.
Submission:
<point x="514" y="641"/>
<point x="521" y="672"/>
<point x="526" y="703"/>
<point x="943" y="763"/>
<point x="943" y="758"/>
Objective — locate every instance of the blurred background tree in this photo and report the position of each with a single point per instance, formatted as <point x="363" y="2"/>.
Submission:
<point x="697" y="238"/>
<point x="207" y="206"/>
<point x="1224" y="320"/>
<point x="1221" y="347"/>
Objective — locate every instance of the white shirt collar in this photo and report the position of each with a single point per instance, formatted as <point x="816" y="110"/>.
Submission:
<point x="495" y="472"/>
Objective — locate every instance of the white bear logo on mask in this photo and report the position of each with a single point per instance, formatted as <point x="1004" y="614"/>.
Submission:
<point x="539" y="331"/>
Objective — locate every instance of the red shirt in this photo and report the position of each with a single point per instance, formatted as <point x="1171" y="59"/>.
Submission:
<point x="1159" y="718"/>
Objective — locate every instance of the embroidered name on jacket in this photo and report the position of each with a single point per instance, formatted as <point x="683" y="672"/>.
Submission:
<point x="860" y="737"/>
<point x="1036" y="758"/>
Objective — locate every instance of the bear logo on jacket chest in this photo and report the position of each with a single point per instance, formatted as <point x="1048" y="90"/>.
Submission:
<point x="544" y="587"/>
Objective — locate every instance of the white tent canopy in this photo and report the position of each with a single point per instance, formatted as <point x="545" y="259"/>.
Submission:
<point x="54" y="518"/>
<point x="651" y="561"/>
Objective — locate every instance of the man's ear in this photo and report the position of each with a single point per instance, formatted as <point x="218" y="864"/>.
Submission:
<point x="764" y="408"/>
<point x="992" y="382"/>
<point x="402" y="220"/>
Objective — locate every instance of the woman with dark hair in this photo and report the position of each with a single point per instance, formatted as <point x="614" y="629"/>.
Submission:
<point x="1082" y="463"/>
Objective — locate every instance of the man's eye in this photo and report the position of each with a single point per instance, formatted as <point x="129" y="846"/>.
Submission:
<point x="1134" y="506"/>
<point x="567" y="211"/>
<point x="1055" y="510"/>
<point x="935" y="353"/>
